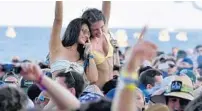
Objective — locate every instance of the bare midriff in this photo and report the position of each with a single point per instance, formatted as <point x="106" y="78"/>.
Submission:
<point x="105" y="72"/>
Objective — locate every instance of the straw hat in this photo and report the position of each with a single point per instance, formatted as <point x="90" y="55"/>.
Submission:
<point x="181" y="86"/>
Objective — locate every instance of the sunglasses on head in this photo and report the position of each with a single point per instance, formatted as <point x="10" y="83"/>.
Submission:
<point x="72" y="76"/>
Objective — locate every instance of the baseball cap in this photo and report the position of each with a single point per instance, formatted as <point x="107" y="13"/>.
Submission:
<point x="181" y="87"/>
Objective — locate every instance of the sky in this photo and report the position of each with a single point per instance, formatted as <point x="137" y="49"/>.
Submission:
<point x="124" y="14"/>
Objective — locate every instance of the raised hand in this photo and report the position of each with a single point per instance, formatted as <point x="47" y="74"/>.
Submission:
<point x="55" y="45"/>
<point x="142" y="51"/>
<point x="31" y="71"/>
<point x="142" y="33"/>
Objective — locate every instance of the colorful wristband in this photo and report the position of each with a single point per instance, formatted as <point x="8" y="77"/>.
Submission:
<point x="39" y="82"/>
<point x="129" y="78"/>
<point x="131" y="87"/>
<point x="133" y="75"/>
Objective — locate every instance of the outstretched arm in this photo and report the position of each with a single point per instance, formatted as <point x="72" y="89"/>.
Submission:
<point x="61" y="96"/>
<point x="125" y="95"/>
<point x="55" y="44"/>
<point x="106" y="8"/>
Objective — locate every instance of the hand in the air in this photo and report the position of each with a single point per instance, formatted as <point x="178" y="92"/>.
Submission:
<point x="31" y="71"/>
<point x="142" y="51"/>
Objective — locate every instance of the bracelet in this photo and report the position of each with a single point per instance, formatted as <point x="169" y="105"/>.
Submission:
<point x="39" y="82"/>
<point x="131" y="87"/>
<point x="128" y="79"/>
<point x="90" y="56"/>
<point x="133" y="75"/>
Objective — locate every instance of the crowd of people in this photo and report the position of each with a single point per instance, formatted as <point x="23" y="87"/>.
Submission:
<point x="86" y="71"/>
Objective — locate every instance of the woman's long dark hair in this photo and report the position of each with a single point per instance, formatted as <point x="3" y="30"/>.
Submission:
<point x="71" y="35"/>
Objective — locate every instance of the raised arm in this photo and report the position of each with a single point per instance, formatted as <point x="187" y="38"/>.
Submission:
<point x="61" y="96"/>
<point x="55" y="44"/>
<point x="106" y="8"/>
<point x="125" y="95"/>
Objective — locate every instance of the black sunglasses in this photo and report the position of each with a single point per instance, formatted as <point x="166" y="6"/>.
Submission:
<point x="171" y="65"/>
<point x="162" y="60"/>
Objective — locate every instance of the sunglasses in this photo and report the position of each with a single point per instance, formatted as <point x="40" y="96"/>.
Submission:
<point x="10" y="82"/>
<point x="41" y="99"/>
<point x="15" y="61"/>
<point x="162" y="60"/>
<point x="72" y="77"/>
<point x="171" y="65"/>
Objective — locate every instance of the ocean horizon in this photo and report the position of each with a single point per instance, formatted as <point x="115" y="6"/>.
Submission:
<point x="32" y="42"/>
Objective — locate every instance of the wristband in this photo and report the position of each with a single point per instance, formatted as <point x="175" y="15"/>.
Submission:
<point x="133" y="75"/>
<point x="129" y="79"/>
<point x="39" y="82"/>
<point x="90" y="56"/>
<point x="131" y="87"/>
<point x="86" y="62"/>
